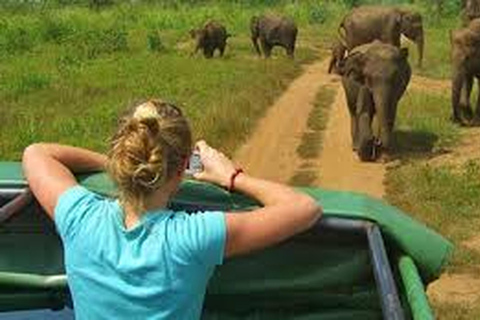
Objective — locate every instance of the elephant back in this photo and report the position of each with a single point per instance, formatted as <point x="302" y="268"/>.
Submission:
<point x="273" y="26"/>
<point x="367" y="23"/>
<point x="215" y="30"/>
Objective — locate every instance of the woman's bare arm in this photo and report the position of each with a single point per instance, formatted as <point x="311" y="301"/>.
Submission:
<point x="285" y="212"/>
<point x="49" y="170"/>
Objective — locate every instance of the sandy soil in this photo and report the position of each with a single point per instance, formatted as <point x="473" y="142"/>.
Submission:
<point x="339" y="167"/>
<point x="271" y="151"/>
<point x="455" y="288"/>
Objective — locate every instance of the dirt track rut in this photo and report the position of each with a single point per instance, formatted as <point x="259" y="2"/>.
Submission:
<point x="271" y="154"/>
<point x="271" y="151"/>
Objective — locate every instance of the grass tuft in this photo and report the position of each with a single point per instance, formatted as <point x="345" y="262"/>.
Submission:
<point x="310" y="145"/>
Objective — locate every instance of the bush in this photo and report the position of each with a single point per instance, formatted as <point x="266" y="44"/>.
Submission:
<point x="318" y="13"/>
<point x="92" y="43"/>
<point x="17" y="35"/>
<point x="154" y="43"/>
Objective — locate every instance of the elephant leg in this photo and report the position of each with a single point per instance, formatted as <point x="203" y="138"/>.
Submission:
<point x="351" y="89"/>
<point x="266" y="48"/>
<point x="332" y="63"/>
<point x="466" y="108"/>
<point x="222" y="50"/>
<point x="476" y="117"/>
<point x="207" y="52"/>
<point x="255" y="45"/>
<point x="291" y="50"/>
<point x="458" y="81"/>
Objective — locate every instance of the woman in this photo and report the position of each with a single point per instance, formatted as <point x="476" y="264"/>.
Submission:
<point x="133" y="258"/>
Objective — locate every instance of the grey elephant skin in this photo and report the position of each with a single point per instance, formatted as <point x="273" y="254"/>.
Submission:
<point x="374" y="78"/>
<point x="368" y="23"/>
<point x="470" y="10"/>
<point x="273" y="31"/>
<point x="338" y="50"/>
<point x="465" y="57"/>
<point x="213" y="36"/>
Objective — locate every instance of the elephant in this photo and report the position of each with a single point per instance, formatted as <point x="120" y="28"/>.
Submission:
<point x="367" y="23"/>
<point x="273" y="31"/>
<point x="470" y="10"/>
<point x="338" y="52"/>
<point x="211" y="37"/>
<point x="374" y="78"/>
<point x="465" y="57"/>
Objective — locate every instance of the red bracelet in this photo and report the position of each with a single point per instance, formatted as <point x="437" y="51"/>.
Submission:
<point x="232" y="179"/>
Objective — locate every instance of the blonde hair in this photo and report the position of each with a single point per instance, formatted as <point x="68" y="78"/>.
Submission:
<point x="149" y="148"/>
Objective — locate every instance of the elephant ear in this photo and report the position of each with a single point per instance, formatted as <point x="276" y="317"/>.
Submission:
<point x="354" y="65"/>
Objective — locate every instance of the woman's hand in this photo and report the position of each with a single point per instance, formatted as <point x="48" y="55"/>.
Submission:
<point x="217" y="168"/>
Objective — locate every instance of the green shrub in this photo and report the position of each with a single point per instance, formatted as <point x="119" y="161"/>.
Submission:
<point x="318" y="13"/>
<point x="56" y="29"/>
<point x="154" y="42"/>
<point x="17" y="35"/>
<point x="92" y="43"/>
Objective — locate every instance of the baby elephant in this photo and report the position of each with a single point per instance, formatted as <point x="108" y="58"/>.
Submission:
<point x="374" y="77"/>
<point x="211" y="37"/>
<point x="273" y="31"/>
<point x="338" y="53"/>
<point x="465" y="57"/>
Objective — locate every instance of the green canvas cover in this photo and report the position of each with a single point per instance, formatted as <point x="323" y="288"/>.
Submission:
<point x="316" y="275"/>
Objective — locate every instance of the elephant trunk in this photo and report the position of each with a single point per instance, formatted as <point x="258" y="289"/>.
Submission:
<point x="366" y="149"/>
<point x="255" y="33"/>
<point x="255" y="45"/>
<point x="386" y="108"/>
<point x="364" y="110"/>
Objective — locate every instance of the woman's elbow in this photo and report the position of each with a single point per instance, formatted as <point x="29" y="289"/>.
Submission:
<point x="31" y="154"/>
<point x="31" y="151"/>
<point x="313" y="211"/>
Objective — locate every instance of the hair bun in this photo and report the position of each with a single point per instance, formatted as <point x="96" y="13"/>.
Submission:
<point x="147" y="176"/>
<point x="146" y="111"/>
<point x="152" y="124"/>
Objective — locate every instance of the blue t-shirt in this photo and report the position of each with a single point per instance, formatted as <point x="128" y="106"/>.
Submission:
<point x="157" y="270"/>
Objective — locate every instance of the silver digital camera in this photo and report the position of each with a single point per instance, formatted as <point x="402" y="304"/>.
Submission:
<point x="194" y="164"/>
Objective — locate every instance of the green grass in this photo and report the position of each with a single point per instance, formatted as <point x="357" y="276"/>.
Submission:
<point x="423" y="125"/>
<point x="445" y="197"/>
<point x="436" y="58"/>
<point x="67" y="73"/>
<point x="80" y="105"/>
<point x="311" y="142"/>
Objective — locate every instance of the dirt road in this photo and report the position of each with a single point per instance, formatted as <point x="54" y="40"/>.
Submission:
<point x="271" y="151"/>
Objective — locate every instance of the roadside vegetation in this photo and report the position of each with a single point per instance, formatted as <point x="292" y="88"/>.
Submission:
<point x="445" y="195"/>
<point x="68" y="71"/>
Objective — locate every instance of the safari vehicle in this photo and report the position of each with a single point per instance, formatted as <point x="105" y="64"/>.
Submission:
<point x="363" y="260"/>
